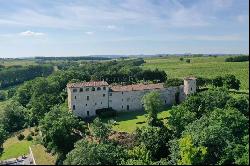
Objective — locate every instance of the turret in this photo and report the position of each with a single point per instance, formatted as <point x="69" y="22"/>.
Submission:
<point x="189" y="85"/>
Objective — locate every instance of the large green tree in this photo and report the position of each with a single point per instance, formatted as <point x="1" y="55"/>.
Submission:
<point x="152" y="104"/>
<point x="3" y="136"/>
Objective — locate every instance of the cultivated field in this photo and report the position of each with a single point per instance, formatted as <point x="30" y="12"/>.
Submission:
<point x="208" y="67"/>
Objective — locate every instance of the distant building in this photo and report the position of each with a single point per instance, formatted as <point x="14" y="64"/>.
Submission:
<point x="86" y="97"/>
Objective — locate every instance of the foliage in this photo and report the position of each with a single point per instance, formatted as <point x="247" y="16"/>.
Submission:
<point x="29" y="137"/>
<point x="241" y="103"/>
<point x="152" y="104"/>
<point x="155" y="140"/>
<point x="242" y="58"/>
<point x="173" y="82"/>
<point x="91" y="153"/>
<point x="201" y="82"/>
<point x="106" y="112"/>
<point x="3" y="136"/>
<point x="217" y="81"/>
<point x="20" y="136"/>
<point x="100" y="130"/>
<point x="13" y="116"/>
<point x="60" y="130"/>
<point x="231" y="82"/>
<point x="188" y="60"/>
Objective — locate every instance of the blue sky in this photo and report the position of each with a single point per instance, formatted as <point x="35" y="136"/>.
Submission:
<point x="92" y="27"/>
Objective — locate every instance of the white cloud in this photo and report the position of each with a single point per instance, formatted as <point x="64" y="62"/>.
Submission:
<point x="111" y="27"/>
<point x="30" y="33"/>
<point x="89" y="33"/>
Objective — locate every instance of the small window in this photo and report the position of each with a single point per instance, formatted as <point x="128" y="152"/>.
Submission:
<point x="103" y="95"/>
<point x="75" y="97"/>
<point x="74" y="90"/>
<point x="127" y="107"/>
<point x="122" y="106"/>
<point x="81" y="89"/>
<point x="87" y="89"/>
<point x="87" y="113"/>
<point x="122" y="92"/>
<point x="191" y="89"/>
<point x="93" y="89"/>
<point x="74" y="107"/>
<point x="110" y="94"/>
<point x="95" y="104"/>
<point x="165" y="101"/>
<point x="104" y="88"/>
<point x="86" y="104"/>
<point x="101" y="102"/>
<point x="87" y="97"/>
<point x="98" y="88"/>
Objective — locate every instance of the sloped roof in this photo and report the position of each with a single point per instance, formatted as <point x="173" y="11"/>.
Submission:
<point x="86" y="84"/>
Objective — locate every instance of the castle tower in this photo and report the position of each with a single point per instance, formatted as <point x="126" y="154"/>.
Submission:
<point x="189" y="85"/>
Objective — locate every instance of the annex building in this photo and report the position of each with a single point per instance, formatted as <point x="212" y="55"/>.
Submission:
<point x="84" y="98"/>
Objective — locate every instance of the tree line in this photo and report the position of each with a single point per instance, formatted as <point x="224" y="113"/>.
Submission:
<point x="242" y="58"/>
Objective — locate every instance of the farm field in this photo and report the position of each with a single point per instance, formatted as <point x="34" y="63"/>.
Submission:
<point x="208" y="67"/>
<point x="128" y="122"/>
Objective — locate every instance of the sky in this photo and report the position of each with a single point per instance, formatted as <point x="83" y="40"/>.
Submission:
<point x="31" y="28"/>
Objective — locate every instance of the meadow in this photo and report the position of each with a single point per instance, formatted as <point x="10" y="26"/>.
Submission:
<point x="208" y="67"/>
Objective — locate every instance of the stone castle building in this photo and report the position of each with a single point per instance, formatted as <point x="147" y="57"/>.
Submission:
<point x="86" y="97"/>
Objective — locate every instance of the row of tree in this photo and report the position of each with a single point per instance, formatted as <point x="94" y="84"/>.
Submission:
<point x="242" y="58"/>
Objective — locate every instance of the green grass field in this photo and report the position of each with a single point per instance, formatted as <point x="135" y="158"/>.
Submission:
<point x="128" y="122"/>
<point x="14" y="148"/>
<point x="208" y="67"/>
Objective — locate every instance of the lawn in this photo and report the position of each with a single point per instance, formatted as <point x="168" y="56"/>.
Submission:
<point x="14" y="148"/>
<point x="208" y="67"/>
<point x="128" y="122"/>
<point x="41" y="156"/>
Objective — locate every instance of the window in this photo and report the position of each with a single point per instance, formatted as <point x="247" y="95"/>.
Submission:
<point x="98" y="88"/>
<point x="86" y="104"/>
<point x="127" y="107"/>
<point x="101" y="102"/>
<point x="87" y="89"/>
<point x="110" y="94"/>
<point x="81" y="89"/>
<point x="191" y="89"/>
<point x="74" y="107"/>
<point x="93" y="89"/>
<point x="75" y="97"/>
<point x="165" y="101"/>
<point x="87" y="97"/>
<point x="122" y="106"/>
<point x="87" y="113"/>
<point x="74" y="90"/>
<point x="122" y="92"/>
<point x="103" y="95"/>
<point x="104" y="88"/>
<point x="95" y="104"/>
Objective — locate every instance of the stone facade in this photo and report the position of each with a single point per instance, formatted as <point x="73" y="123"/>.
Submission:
<point x="86" y="97"/>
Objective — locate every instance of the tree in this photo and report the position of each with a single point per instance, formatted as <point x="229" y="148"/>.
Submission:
<point x="231" y="82"/>
<point x="217" y="81"/>
<point x="92" y="153"/>
<point x="3" y="136"/>
<point x="13" y="117"/>
<point x="188" y="60"/>
<point x="152" y="104"/>
<point x="100" y="130"/>
<point x="60" y="130"/>
<point x="201" y="82"/>
<point x="155" y="139"/>
<point x="241" y="103"/>
<point x="173" y="82"/>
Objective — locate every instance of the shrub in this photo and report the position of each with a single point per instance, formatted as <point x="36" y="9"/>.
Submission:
<point x="188" y="60"/>
<point x="29" y="137"/>
<point x="181" y="59"/>
<point x="106" y="112"/>
<point x="20" y="137"/>
<point x="173" y="82"/>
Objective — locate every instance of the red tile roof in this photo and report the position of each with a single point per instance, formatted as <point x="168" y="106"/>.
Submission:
<point x="136" y="87"/>
<point x="84" y="84"/>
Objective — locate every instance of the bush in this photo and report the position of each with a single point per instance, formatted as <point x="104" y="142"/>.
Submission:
<point x="173" y="82"/>
<point x="106" y="112"/>
<point x="237" y="59"/>
<point x="188" y="60"/>
<point x="181" y="59"/>
<point x="32" y="133"/>
<point x="29" y="137"/>
<point x="20" y="137"/>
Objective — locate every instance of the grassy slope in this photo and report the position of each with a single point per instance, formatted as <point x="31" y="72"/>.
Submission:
<point x="128" y="121"/>
<point x="201" y="66"/>
<point x="41" y="156"/>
